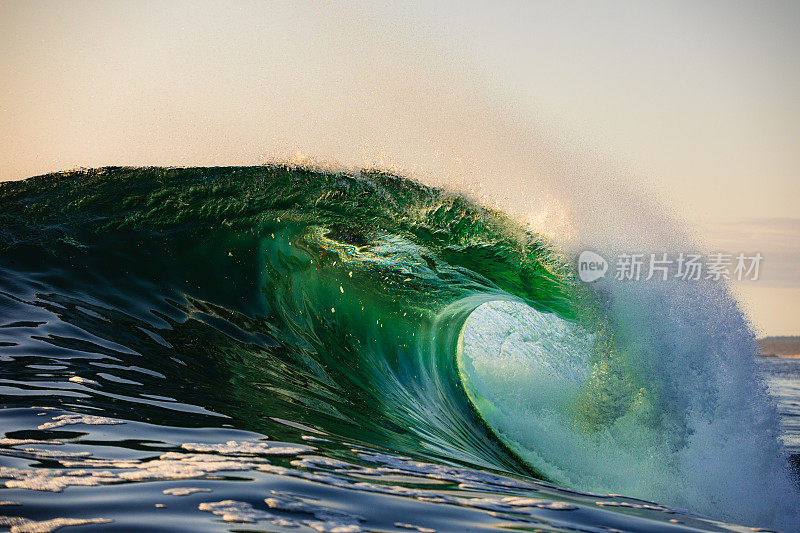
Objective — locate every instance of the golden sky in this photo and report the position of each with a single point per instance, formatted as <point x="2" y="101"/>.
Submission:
<point x="693" y="106"/>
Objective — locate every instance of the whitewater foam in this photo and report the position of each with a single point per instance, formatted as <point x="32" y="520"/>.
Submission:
<point x="668" y="407"/>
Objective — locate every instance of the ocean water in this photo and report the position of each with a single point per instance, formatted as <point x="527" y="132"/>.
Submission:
<point x="783" y="378"/>
<point x="286" y="349"/>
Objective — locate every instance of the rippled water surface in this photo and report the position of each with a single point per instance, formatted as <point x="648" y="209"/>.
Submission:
<point x="783" y="378"/>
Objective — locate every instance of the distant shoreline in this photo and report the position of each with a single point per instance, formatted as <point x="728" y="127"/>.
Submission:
<point x="784" y="347"/>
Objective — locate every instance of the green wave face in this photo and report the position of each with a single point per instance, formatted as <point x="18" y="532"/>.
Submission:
<point x="328" y="299"/>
